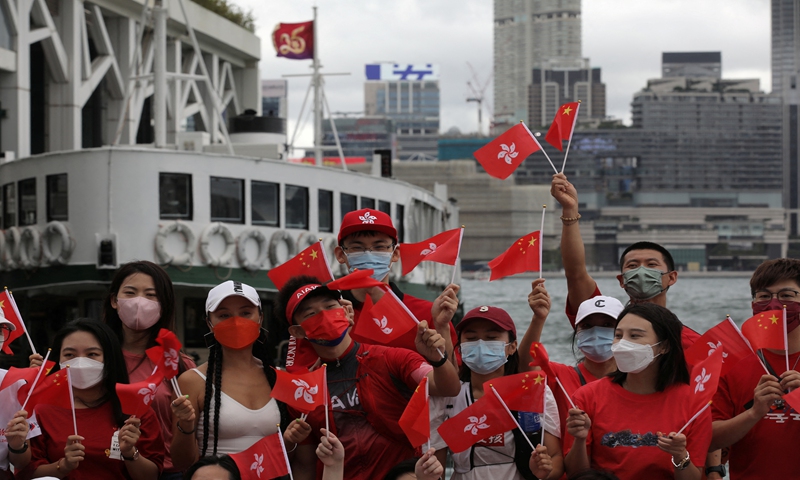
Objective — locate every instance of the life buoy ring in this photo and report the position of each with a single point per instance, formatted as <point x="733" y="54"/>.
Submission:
<point x="30" y="248"/>
<point x="209" y="259"/>
<point x="11" y="251"/>
<point x="330" y="244"/>
<point x="281" y="236"/>
<point x="58" y="229"/>
<point x="166" y="258"/>
<point x="305" y="240"/>
<point x="241" y="251"/>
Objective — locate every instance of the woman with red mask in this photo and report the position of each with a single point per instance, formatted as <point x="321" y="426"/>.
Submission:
<point x="237" y="412"/>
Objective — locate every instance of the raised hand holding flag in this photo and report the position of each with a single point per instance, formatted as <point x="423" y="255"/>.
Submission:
<point x="166" y="356"/>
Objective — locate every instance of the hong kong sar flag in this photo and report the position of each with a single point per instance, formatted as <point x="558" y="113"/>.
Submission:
<point x="705" y="379"/>
<point x="504" y="154"/>
<point x="483" y="419"/>
<point x="135" y="398"/>
<point x="726" y="336"/>
<point x="303" y="392"/>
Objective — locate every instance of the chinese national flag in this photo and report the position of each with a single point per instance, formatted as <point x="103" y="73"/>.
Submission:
<point x="166" y="355"/>
<point x="483" y="419"/>
<point x="312" y="261"/>
<point x="10" y="312"/>
<point x="563" y="124"/>
<point x="522" y="392"/>
<point x="541" y="359"/>
<point x="504" y="154"/>
<point x="135" y="398"/>
<point x="726" y="336"/>
<point x="416" y="419"/>
<point x="522" y="256"/>
<point x="303" y="392"/>
<point x="765" y="330"/>
<point x="388" y="322"/>
<point x="705" y="378"/>
<point x="357" y="279"/>
<point x="294" y="40"/>
<point x="793" y="399"/>
<point x="264" y="460"/>
<point x="51" y="390"/>
<point x="441" y="248"/>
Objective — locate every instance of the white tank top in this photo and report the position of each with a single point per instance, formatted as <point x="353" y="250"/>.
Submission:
<point x="239" y="427"/>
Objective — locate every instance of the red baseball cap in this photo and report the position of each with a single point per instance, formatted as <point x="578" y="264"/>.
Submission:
<point x="496" y="315"/>
<point x="305" y="292"/>
<point x="364" y="220"/>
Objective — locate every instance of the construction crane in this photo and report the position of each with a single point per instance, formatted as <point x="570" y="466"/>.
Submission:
<point x="477" y="90"/>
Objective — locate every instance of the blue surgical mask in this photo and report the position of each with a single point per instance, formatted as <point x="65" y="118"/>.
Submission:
<point x="377" y="261"/>
<point x="595" y="343"/>
<point x="484" y="357"/>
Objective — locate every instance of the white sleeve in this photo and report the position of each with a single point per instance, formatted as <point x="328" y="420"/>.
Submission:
<point x="552" y="423"/>
<point x="437" y="407"/>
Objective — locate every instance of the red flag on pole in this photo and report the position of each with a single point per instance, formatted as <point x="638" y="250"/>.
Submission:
<point x="483" y="419"/>
<point x="388" y="322"/>
<point x="541" y="359"/>
<point x="522" y="392"/>
<point x="724" y="335"/>
<point x="522" y="256"/>
<point x="563" y="125"/>
<point x="294" y="40"/>
<point x="357" y="279"/>
<point x="441" y="248"/>
<point x="765" y="330"/>
<point x="504" y="154"/>
<point x="136" y="398"/>
<point x="10" y="313"/>
<point x="51" y="390"/>
<point x="416" y="419"/>
<point x="705" y="379"/>
<point x="303" y="392"/>
<point x="264" y="460"/>
<point x="793" y="399"/>
<point x="313" y="261"/>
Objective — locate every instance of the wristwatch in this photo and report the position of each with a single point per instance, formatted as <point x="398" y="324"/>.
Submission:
<point x="133" y="457"/>
<point x="720" y="469"/>
<point x="683" y="463"/>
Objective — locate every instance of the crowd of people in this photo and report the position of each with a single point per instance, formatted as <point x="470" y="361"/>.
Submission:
<point x="616" y="413"/>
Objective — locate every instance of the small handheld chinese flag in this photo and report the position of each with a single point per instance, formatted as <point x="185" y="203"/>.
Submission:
<point x="303" y="392"/>
<point x="521" y="256"/>
<point x="416" y="420"/>
<point x="504" y="154"/>
<point x="765" y="330"/>
<point x="483" y="419"/>
<point x="312" y="262"/>
<point x="441" y="248"/>
<point x="51" y="390"/>
<point x="388" y="322"/>
<point x="265" y="459"/>
<point x="541" y="359"/>
<point x="522" y="392"/>
<point x="726" y="336"/>
<point x="563" y="125"/>
<point x="294" y="40"/>
<point x="136" y="398"/>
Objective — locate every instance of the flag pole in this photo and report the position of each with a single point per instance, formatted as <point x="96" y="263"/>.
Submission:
<point x="541" y="237"/>
<point x="694" y="417"/>
<point x="285" y="455"/>
<point x="427" y="398"/>
<point x="455" y="267"/>
<point x="71" y="401"/>
<point x="747" y="342"/>
<point x="544" y="413"/>
<point x="36" y="380"/>
<point x="571" y="132"/>
<point x="21" y="322"/>
<point x="327" y="399"/>
<point x="512" y="416"/>
<point x="174" y="382"/>
<point x="785" y="339"/>
<point x="540" y="146"/>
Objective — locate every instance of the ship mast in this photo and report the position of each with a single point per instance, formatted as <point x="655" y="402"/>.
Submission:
<point x="316" y="79"/>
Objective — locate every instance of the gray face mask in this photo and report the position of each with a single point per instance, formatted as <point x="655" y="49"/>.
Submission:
<point x="643" y="283"/>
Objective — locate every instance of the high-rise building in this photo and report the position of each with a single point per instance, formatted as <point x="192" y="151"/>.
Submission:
<point x="785" y="44"/>
<point x="528" y="33"/>
<point x="562" y="82"/>
<point x="691" y="64"/>
<point x="360" y="137"/>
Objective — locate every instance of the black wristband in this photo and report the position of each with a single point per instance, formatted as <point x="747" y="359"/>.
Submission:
<point x="178" y="424"/>
<point x="20" y="451"/>
<point x="716" y="469"/>
<point x="438" y="363"/>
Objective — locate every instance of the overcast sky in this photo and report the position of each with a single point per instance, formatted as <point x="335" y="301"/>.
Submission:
<point x="623" y="37"/>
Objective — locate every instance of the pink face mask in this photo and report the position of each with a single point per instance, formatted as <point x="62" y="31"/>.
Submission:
<point x="138" y="313"/>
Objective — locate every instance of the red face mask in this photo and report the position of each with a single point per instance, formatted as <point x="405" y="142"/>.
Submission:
<point x="792" y="311"/>
<point x="237" y="332"/>
<point x="327" y="328"/>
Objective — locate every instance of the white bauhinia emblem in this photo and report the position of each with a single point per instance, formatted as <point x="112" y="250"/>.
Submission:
<point x="305" y="391"/>
<point x="431" y="248"/>
<point x="713" y="347"/>
<point x="382" y="325"/>
<point x="171" y="359"/>
<point x="259" y="459"/>
<point x="367" y="218"/>
<point x="476" y="424"/>
<point x="508" y="153"/>
<point x="701" y="381"/>
<point x="149" y="393"/>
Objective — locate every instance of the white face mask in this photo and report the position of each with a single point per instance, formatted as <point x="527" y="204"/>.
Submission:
<point x="633" y="357"/>
<point x="84" y="372"/>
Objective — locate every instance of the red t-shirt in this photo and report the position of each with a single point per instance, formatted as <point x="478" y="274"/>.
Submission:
<point x="572" y="382"/>
<point x="774" y="438"/>
<point x="625" y="425"/>
<point x="96" y="425"/>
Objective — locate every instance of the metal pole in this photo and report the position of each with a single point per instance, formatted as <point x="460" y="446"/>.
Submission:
<point x="160" y="75"/>
<point x="317" y="99"/>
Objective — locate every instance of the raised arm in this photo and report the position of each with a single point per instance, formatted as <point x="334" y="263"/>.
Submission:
<point x="539" y="301"/>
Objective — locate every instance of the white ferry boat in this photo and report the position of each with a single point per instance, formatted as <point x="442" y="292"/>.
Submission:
<point x="114" y="149"/>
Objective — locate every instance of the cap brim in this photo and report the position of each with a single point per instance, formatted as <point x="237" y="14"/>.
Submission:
<point x="320" y="291"/>
<point x="213" y="307"/>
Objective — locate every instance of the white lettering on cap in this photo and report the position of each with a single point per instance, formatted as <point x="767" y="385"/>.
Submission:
<point x="304" y="291"/>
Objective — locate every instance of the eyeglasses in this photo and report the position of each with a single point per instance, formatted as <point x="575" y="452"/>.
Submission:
<point x="374" y="248"/>
<point x="786" y="295"/>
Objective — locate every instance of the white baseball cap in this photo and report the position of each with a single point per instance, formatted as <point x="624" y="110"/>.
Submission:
<point x="4" y="320"/>
<point x="230" y="288"/>
<point x="606" y="305"/>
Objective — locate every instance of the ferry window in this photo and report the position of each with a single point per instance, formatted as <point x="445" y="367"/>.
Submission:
<point x="296" y="207"/>
<point x="385" y="207"/>
<point x="367" y="202"/>
<point x="175" y="196"/>
<point x="26" y="191"/>
<point x="194" y="322"/>
<point x="325" y="206"/>
<point x="348" y="203"/>
<point x="9" y="205"/>
<point x="398" y="222"/>
<point x="57" y="201"/>
<point x="227" y="200"/>
<point x="265" y="202"/>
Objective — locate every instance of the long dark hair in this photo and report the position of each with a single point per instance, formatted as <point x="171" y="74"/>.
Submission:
<point x="672" y="364"/>
<point x="164" y="292"/>
<point x="511" y="367"/>
<point x="114" y="370"/>
<point x="223" y="461"/>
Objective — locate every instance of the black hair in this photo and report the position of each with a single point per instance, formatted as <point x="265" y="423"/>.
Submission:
<point x="773" y="271"/>
<point x="406" y="466"/>
<point x="114" y="370"/>
<point x="223" y="461"/>
<point x="648" y="246"/>
<point x="510" y="368"/>
<point x="166" y="299"/>
<point x="667" y="327"/>
<point x="593" y="474"/>
<point x="291" y="286"/>
<point x="366" y="233"/>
